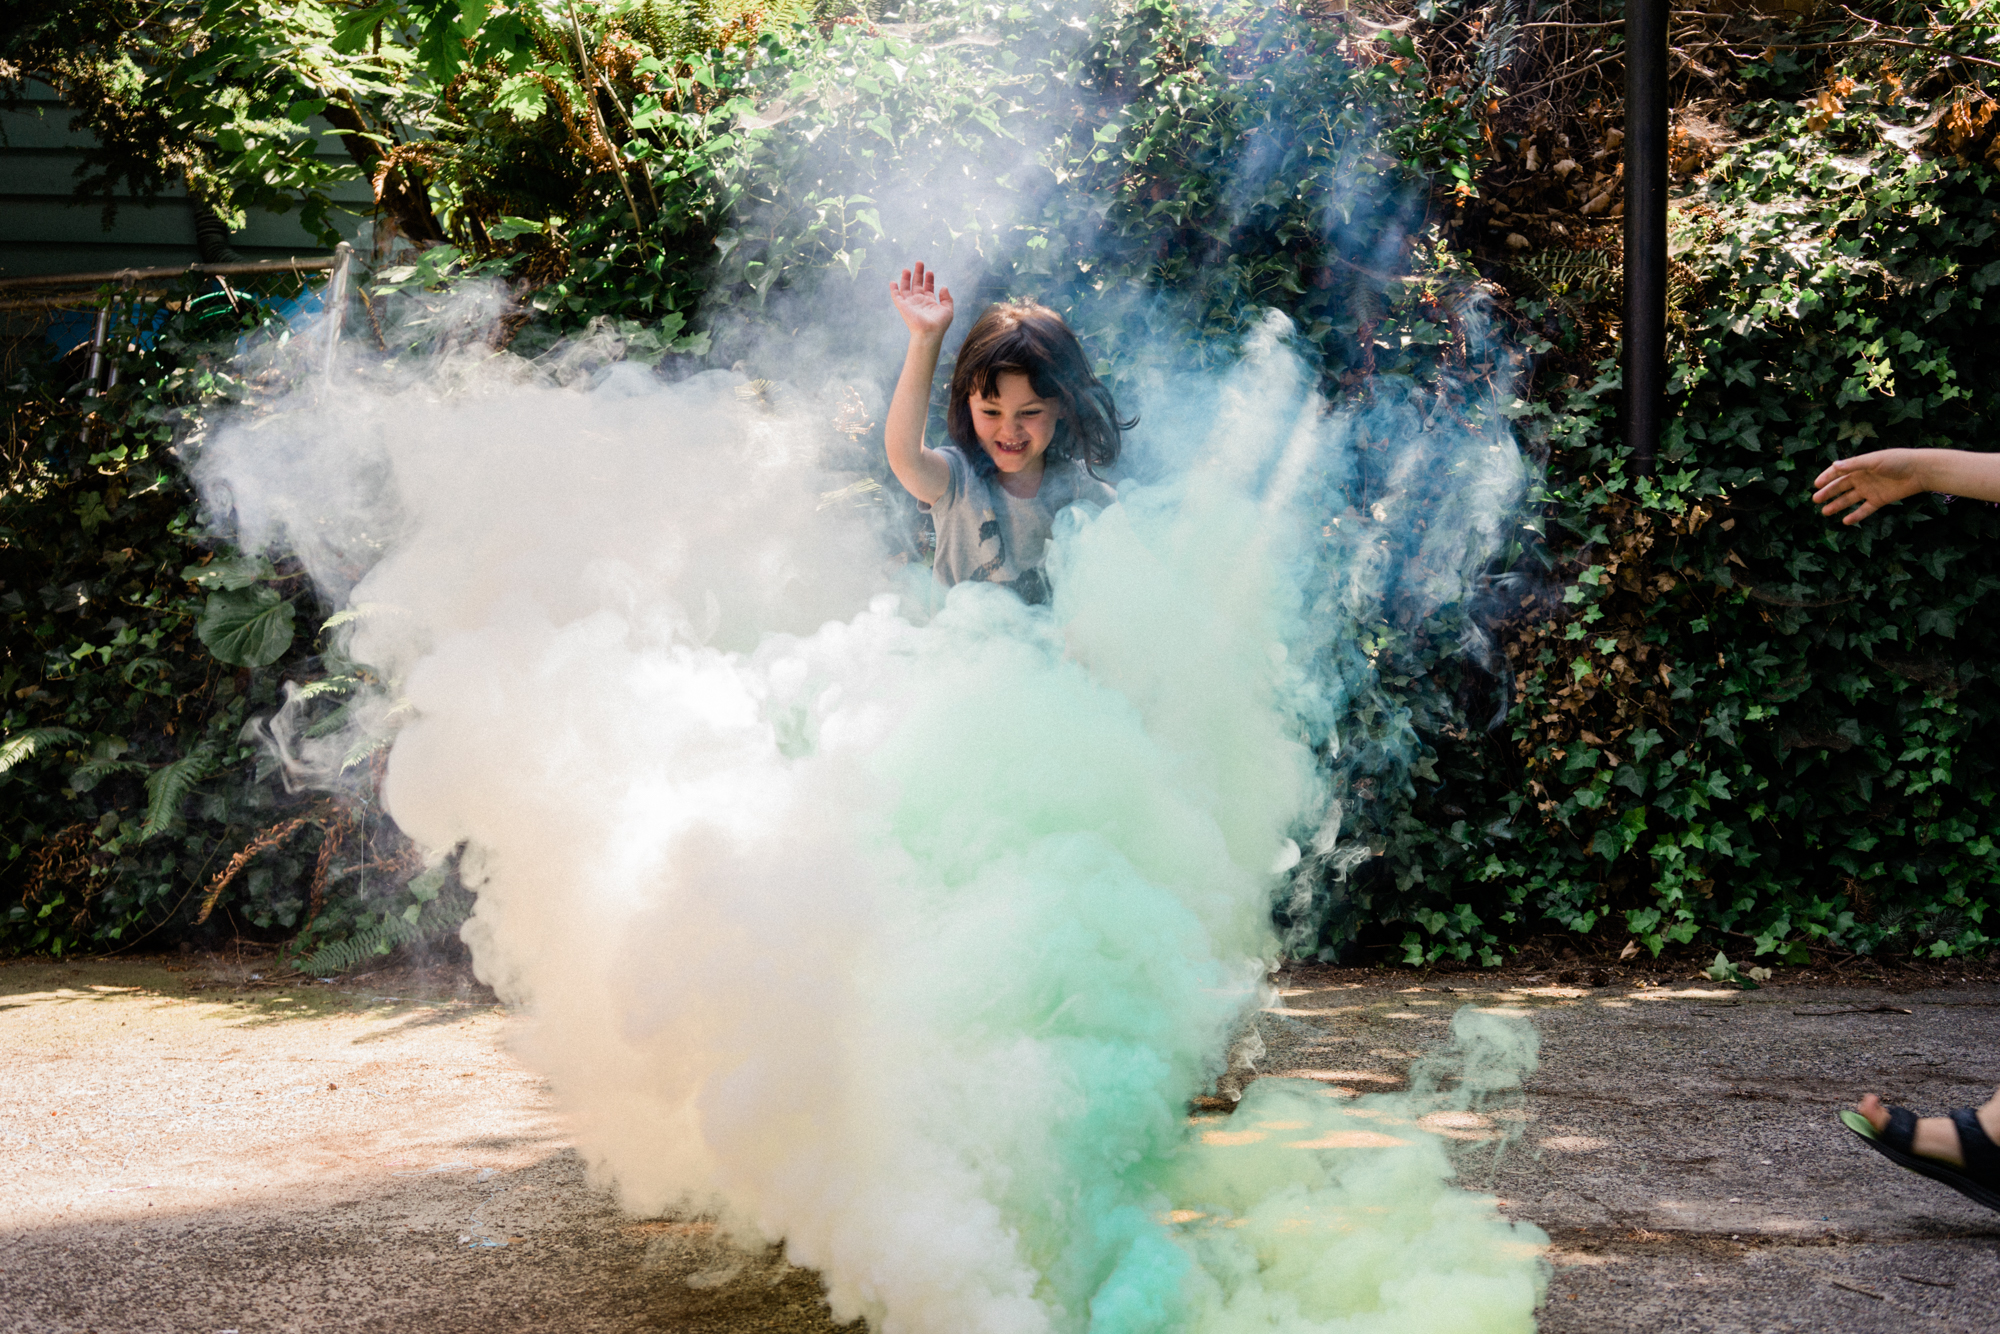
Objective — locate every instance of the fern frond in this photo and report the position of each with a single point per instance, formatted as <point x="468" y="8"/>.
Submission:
<point x="25" y="745"/>
<point x="1570" y="273"/>
<point x="331" y="685"/>
<point x="262" y="843"/>
<point x="362" y="750"/>
<point x="327" y="726"/>
<point x="168" y="786"/>
<point x="856" y="493"/>
<point x="361" y="611"/>
<point x="433" y="919"/>
<point x="95" y="769"/>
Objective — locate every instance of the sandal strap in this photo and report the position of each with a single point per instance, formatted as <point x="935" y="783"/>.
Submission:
<point x="1982" y="1156"/>
<point x="1901" y="1130"/>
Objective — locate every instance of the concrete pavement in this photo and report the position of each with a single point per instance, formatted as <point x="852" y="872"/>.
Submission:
<point x="193" y="1146"/>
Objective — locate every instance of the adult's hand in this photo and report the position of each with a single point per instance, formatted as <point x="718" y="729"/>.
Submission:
<point x="1867" y="482"/>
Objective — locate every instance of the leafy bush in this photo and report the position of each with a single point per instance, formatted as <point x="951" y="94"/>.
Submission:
<point x="134" y="800"/>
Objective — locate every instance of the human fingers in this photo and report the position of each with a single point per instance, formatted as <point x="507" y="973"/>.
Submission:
<point x="1838" y="468"/>
<point x="1838" y="495"/>
<point x="1868" y="507"/>
<point x="944" y="296"/>
<point x="1837" y="485"/>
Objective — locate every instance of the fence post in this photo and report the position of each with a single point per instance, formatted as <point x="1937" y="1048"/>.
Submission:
<point x="1645" y="331"/>
<point x="96" y="359"/>
<point x="124" y="290"/>
<point x="336" y="303"/>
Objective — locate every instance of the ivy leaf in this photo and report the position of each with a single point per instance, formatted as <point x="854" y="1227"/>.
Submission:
<point x="249" y="627"/>
<point x="425" y="886"/>
<point x="230" y="572"/>
<point x="1937" y="621"/>
<point x="1722" y="970"/>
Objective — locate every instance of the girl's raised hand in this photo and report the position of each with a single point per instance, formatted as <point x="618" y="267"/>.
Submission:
<point x="1869" y="481"/>
<point x="925" y="307"/>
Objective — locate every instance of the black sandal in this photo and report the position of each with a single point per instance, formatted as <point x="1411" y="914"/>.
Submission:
<point x="1978" y="1180"/>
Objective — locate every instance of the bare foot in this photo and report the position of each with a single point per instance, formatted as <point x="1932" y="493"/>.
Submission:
<point x="1937" y="1136"/>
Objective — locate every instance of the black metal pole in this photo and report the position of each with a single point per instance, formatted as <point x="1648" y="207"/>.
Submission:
<point x="1645" y="334"/>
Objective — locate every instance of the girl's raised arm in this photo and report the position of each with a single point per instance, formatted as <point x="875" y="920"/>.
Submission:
<point x="926" y="308"/>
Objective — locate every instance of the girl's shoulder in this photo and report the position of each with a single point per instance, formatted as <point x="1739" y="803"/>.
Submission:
<point x="963" y="479"/>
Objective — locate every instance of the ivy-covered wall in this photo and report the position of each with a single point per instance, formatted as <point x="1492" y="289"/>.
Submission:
<point x="1734" y="717"/>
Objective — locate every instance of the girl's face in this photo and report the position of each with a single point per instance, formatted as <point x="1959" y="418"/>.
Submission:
<point x="1014" y="426"/>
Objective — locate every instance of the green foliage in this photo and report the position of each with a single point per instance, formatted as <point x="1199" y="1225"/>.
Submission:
<point x="438" y="905"/>
<point x="1690" y="706"/>
<point x="211" y="95"/>
<point x="246" y="627"/>
<point x="24" y="744"/>
<point x="1732" y="715"/>
<point x="127" y="784"/>
<point x="1186" y="166"/>
<point x="169" y="786"/>
<point x="1722" y="970"/>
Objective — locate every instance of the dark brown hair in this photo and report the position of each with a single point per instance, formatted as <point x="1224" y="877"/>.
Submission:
<point x="1033" y="340"/>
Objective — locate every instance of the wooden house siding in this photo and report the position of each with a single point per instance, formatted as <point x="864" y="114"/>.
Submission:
<point x="45" y="230"/>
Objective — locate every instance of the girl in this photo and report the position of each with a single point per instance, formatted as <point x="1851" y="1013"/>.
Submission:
<point x="1029" y="425"/>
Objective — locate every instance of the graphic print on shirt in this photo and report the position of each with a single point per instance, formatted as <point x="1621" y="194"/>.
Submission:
<point x="992" y="554"/>
<point x="987" y="535"/>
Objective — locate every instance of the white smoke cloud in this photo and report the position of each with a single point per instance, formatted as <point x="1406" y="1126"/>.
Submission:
<point x="902" y="936"/>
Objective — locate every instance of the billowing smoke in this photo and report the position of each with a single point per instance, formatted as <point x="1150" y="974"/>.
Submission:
<point x="898" y="926"/>
<point x="904" y="929"/>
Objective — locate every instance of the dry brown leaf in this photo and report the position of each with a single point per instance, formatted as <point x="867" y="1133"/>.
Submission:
<point x="1827" y="106"/>
<point x="1964" y="123"/>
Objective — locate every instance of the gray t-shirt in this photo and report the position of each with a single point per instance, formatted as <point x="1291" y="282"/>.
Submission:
<point x="986" y="534"/>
